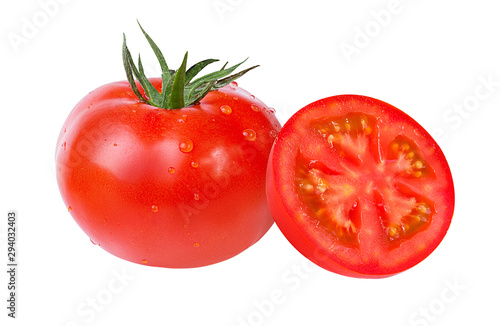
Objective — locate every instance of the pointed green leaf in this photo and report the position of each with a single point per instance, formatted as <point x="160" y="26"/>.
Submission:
<point x="167" y="93"/>
<point x="198" y="96"/>
<point x="223" y="82"/>
<point x="177" y="96"/>
<point x="128" y="63"/>
<point x="216" y="75"/>
<point x="159" y="55"/>
<point x="196" y="68"/>
<point x="149" y="89"/>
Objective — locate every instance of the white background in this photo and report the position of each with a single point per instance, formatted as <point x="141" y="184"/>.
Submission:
<point x="436" y="60"/>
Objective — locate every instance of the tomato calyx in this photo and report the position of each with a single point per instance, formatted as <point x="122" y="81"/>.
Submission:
<point x="178" y="87"/>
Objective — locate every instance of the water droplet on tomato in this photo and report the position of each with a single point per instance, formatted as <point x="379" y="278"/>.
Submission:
<point x="194" y="164"/>
<point x="69" y="208"/>
<point x="233" y="84"/>
<point x="144" y="261"/>
<point x="249" y="134"/>
<point x="226" y="109"/>
<point x="252" y="97"/>
<point x="196" y="197"/>
<point x="183" y="118"/>
<point x="95" y="244"/>
<point x="115" y="144"/>
<point x="255" y="108"/>
<point x="171" y="170"/>
<point x="264" y="109"/>
<point x="154" y="208"/>
<point x="64" y="146"/>
<point x="273" y="133"/>
<point x="196" y="244"/>
<point x="272" y="111"/>
<point x="186" y="146"/>
<point x="235" y="98"/>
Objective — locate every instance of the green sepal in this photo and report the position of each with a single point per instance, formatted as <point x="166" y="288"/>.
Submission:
<point x="178" y="88"/>
<point x="177" y="95"/>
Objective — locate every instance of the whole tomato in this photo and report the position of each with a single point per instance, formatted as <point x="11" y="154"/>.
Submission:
<point x="168" y="171"/>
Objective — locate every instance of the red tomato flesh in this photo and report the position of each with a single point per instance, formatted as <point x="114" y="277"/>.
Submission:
<point x="359" y="187"/>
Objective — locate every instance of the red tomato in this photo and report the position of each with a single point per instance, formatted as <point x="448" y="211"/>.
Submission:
<point x="169" y="188"/>
<point x="359" y="187"/>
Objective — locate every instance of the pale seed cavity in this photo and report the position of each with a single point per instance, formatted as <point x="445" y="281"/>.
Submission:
<point x="409" y="159"/>
<point x="418" y="218"/>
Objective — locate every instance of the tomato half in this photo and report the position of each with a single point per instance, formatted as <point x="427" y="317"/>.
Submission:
<point x="359" y="187"/>
<point x="170" y="188"/>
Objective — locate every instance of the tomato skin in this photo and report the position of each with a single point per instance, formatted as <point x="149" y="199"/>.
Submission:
<point x="170" y="188"/>
<point x="294" y="218"/>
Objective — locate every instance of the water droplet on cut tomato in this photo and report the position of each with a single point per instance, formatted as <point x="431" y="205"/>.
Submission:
<point x="226" y="109"/>
<point x="171" y="170"/>
<point x="186" y="146"/>
<point x="249" y="134"/>
<point x="154" y="208"/>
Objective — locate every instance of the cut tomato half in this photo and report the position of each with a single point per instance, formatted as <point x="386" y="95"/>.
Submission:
<point x="359" y="187"/>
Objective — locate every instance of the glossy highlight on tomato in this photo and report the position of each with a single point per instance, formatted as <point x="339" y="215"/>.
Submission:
<point x="359" y="187"/>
